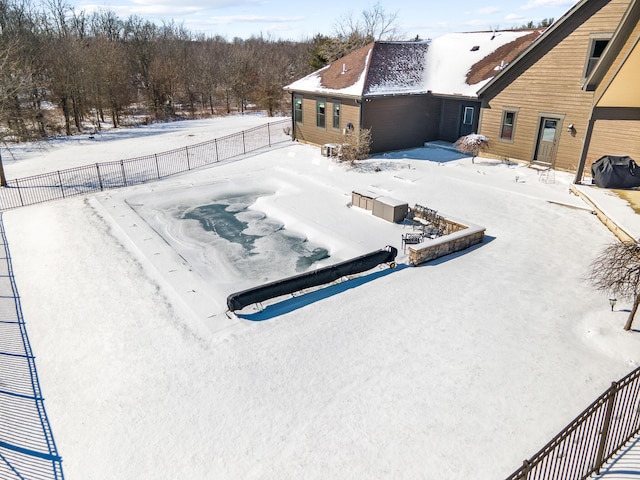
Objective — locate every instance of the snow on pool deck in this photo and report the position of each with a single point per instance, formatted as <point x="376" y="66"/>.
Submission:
<point x="457" y="369"/>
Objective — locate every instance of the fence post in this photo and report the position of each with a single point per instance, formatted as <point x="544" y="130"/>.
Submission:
<point x="604" y="434"/>
<point x="124" y="176"/>
<point x="269" y="132"/>
<point x="215" y="143"/>
<point x="186" y="149"/>
<point x="155" y="155"/>
<point x="526" y="469"/>
<point x="99" y="176"/>
<point x="244" y="145"/>
<point x="61" y="186"/>
<point x="19" y="193"/>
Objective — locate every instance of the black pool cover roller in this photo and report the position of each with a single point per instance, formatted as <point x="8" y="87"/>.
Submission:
<point x="239" y="300"/>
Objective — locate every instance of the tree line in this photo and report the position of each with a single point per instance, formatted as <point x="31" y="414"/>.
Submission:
<point x="62" y="71"/>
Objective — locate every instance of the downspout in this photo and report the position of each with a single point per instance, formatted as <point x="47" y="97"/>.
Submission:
<point x="585" y="148"/>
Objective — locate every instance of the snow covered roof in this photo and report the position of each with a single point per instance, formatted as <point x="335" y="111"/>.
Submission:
<point x="461" y="63"/>
<point x="453" y="64"/>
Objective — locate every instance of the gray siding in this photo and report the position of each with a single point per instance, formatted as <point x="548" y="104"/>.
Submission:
<point x="401" y="122"/>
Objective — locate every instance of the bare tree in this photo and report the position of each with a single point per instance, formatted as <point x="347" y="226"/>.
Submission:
<point x="380" y="24"/>
<point x="107" y="75"/>
<point x="61" y="68"/>
<point x="617" y="270"/>
<point x="374" y="23"/>
<point x="352" y="33"/>
<point x="355" y="145"/>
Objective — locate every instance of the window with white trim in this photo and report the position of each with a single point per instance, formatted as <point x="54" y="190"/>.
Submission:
<point x="321" y="106"/>
<point x="336" y="114"/>
<point x="467" y="118"/>
<point x="297" y="109"/>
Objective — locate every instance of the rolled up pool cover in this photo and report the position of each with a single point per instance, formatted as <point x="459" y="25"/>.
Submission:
<point x="239" y="300"/>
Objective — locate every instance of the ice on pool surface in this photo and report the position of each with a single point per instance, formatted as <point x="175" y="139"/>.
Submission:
<point x="252" y="243"/>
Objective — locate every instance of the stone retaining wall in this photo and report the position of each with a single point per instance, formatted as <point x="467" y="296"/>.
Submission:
<point x="458" y="236"/>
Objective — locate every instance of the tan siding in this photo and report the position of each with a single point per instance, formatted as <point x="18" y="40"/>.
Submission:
<point x="618" y="61"/>
<point x="627" y="92"/>
<point x="552" y="85"/>
<point x="308" y="132"/>
<point x="614" y="137"/>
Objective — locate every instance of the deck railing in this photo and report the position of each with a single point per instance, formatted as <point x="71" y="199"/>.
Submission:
<point x="583" y="447"/>
<point x="122" y="173"/>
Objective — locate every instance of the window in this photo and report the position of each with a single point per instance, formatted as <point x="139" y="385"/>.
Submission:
<point x="320" y="113"/>
<point x="468" y="115"/>
<point x="297" y="107"/>
<point x="336" y="114"/>
<point x="595" y="52"/>
<point x="508" y="124"/>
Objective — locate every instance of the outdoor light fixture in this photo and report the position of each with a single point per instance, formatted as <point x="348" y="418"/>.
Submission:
<point x="612" y="302"/>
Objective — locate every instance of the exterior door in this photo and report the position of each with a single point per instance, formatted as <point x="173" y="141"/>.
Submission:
<point x="547" y="139"/>
<point x="467" y="121"/>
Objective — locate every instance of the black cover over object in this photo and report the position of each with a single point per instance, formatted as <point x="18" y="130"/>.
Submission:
<point x="239" y="300"/>
<point x="613" y="171"/>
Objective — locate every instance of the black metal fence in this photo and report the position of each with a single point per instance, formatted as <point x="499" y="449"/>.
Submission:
<point x="590" y="440"/>
<point x="27" y="447"/>
<point x="101" y="176"/>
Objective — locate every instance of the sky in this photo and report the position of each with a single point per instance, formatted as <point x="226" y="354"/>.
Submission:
<point x="424" y="372"/>
<point x="291" y="20"/>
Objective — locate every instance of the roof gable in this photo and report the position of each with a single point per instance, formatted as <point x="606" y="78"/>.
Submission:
<point x="552" y="36"/>
<point x="627" y="26"/>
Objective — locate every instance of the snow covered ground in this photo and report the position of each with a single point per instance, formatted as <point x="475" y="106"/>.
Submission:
<point x="460" y="368"/>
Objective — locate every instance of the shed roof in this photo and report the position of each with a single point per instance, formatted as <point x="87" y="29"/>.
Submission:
<point x="453" y="64"/>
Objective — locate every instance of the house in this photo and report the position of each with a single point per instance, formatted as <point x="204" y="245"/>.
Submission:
<point x="572" y="96"/>
<point x="614" y="123"/>
<point x="406" y="93"/>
